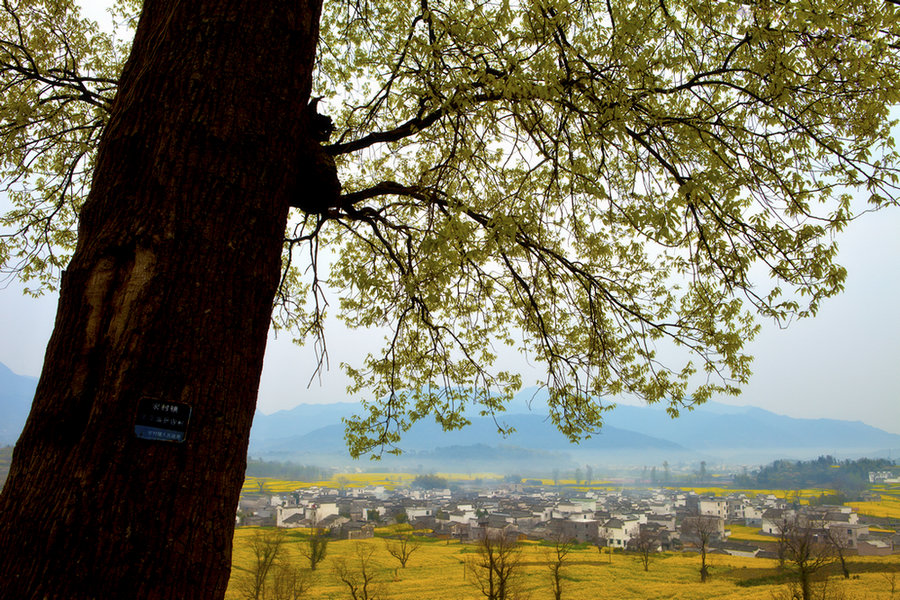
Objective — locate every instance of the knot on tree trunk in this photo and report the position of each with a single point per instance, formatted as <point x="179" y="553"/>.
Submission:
<point x="320" y="186"/>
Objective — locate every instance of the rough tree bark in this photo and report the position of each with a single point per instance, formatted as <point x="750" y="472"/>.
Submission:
<point x="168" y="296"/>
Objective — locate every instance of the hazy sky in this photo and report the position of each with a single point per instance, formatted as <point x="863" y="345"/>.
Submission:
<point x="844" y="363"/>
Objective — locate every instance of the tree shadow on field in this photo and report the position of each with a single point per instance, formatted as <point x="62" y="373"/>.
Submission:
<point x="751" y="577"/>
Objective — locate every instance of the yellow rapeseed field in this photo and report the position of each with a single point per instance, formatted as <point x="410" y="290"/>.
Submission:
<point x="274" y="486"/>
<point x="747" y="534"/>
<point x="437" y="571"/>
<point x="804" y="494"/>
<point x="388" y="481"/>
<point x="337" y="481"/>
<point x="885" y="508"/>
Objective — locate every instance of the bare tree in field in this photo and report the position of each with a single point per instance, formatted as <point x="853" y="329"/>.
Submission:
<point x="806" y="550"/>
<point x="360" y="576"/>
<point x="840" y="541"/>
<point x="891" y="578"/>
<point x="315" y="547"/>
<point x="495" y="568"/>
<point x="557" y="557"/>
<point x="402" y="548"/>
<point x="289" y="582"/>
<point x="781" y="546"/>
<point x="267" y="546"/>
<point x="605" y="544"/>
<point x="645" y="543"/>
<point x="701" y="529"/>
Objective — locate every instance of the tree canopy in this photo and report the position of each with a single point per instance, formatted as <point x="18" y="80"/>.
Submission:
<point x="620" y="190"/>
<point x="846" y="476"/>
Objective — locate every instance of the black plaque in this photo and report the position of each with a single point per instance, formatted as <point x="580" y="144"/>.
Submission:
<point x="162" y="421"/>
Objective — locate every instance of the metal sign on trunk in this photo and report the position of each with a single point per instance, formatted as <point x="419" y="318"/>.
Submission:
<point x="162" y="421"/>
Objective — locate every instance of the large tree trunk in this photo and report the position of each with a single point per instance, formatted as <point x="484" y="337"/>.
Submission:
<point x="167" y="297"/>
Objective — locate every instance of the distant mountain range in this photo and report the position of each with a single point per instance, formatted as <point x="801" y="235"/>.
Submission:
<point x="16" y="393"/>
<point x="631" y="435"/>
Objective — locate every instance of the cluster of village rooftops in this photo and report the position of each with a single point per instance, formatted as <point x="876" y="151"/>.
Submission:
<point x="608" y="519"/>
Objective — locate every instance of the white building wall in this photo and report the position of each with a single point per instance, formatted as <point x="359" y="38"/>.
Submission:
<point x="282" y="513"/>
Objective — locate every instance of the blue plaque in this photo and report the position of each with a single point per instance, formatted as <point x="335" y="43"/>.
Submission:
<point x="162" y="421"/>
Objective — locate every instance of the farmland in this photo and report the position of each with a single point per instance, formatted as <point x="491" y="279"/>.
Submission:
<point x="437" y="570"/>
<point x="746" y="533"/>
<point x="389" y="481"/>
<point x="887" y="507"/>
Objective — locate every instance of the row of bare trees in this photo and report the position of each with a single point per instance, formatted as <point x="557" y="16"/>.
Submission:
<point x="805" y="545"/>
<point x="494" y="569"/>
<point x="274" y="575"/>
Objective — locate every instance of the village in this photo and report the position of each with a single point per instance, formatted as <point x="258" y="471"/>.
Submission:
<point x="655" y="520"/>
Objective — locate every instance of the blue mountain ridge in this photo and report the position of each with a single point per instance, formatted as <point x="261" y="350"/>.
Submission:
<point x="16" y="394"/>
<point x="532" y="431"/>
<point x="710" y="429"/>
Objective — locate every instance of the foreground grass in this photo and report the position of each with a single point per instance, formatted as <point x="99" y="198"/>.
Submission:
<point x="437" y="570"/>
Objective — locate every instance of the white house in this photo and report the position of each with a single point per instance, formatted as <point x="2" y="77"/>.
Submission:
<point x="618" y="531"/>
<point x="753" y="515"/>
<point x="715" y="507"/>
<point x="417" y="512"/>
<point x="463" y="516"/>
<point x="283" y="513"/>
<point x="773" y="519"/>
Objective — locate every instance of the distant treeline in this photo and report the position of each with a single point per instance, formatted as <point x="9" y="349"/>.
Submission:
<point x="286" y="470"/>
<point x="848" y="477"/>
<point x="429" y="482"/>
